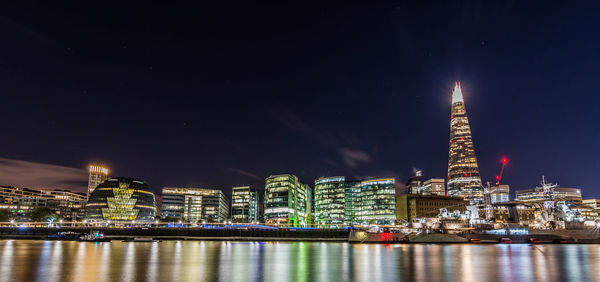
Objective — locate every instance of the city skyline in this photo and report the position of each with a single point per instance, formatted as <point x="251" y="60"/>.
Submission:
<point x="364" y="91"/>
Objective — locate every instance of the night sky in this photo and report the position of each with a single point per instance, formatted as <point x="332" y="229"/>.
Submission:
<point x="220" y="96"/>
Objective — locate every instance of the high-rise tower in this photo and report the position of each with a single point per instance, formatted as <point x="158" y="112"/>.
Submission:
<point x="98" y="174"/>
<point x="463" y="172"/>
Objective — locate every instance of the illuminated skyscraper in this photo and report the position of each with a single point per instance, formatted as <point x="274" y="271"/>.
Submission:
<point x="463" y="172"/>
<point x="98" y="174"/>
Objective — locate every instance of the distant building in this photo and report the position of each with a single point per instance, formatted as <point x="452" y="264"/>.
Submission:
<point x="98" y="174"/>
<point x="378" y="200"/>
<point x="592" y="203"/>
<point x="415" y="183"/>
<point x="287" y="201"/>
<point x="537" y="194"/>
<point x="244" y="204"/>
<point x="67" y="204"/>
<point x="413" y="206"/>
<point x="511" y="212"/>
<point x="434" y="186"/>
<point x="499" y="193"/>
<point x="463" y="171"/>
<point x="339" y="201"/>
<point x="121" y="199"/>
<point x="194" y="204"/>
<point x="329" y="200"/>
<point x="352" y="202"/>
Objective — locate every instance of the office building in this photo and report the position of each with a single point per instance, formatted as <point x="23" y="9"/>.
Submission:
<point x="352" y="202"/>
<point x="244" y="204"/>
<point x="499" y="193"/>
<point x="411" y="207"/>
<point x="510" y="212"/>
<point x="329" y="200"/>
<point x="378" y="200"/>
<point x="415" y="183"/>
<point x="194" y="205"/>
<point x="67" y="204"/>
<point x="121" y="199"/>
<point x="98" y="174"/>
<point x="287" y="201"/>
<point x="538" y="194"/>
<point x="434" y="186"/>
<point x="463" y="171"/>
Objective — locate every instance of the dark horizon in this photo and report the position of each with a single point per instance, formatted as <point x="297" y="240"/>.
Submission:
<point x="222" y="96"/>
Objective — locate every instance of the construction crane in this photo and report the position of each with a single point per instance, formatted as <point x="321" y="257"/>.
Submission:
<point x="487" y="197"/>
<point x="499" y="177"/>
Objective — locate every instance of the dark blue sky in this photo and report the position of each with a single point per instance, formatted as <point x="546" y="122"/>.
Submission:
<point x="218" y="96"/>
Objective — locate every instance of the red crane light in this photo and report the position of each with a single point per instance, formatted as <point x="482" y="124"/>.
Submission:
<point x="499" y="177"/>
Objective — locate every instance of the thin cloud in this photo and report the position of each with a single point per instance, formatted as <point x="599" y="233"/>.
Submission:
<point x="41" y="175"/>
<point x="245" y="173"/>
<point x="354" y="157"/>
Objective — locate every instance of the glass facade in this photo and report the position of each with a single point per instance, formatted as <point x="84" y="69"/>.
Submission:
<point x="352" y="202"/>
<point x="244" y="204"/>
<point x="121" y="199"/>
<point x="194" y="205"/>
<point x="499" y="193"/>
<point x="329" y="200"/>
<point x="98" y="174"/>
<point x="463" y="171"/>
<point x="287" y="201"/>
<point x="378" y="201"/>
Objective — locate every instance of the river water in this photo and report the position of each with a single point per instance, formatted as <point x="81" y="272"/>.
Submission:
<point x="25" y="260"/>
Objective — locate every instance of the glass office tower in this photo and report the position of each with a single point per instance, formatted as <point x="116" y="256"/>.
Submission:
<point x="329" y="200"/>
<point x="244" y="204"/>
<point x="463" y="171"/>
<point x="287" y="201"/>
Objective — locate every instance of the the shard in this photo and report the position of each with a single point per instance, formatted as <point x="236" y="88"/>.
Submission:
<point x="463" y="172"/>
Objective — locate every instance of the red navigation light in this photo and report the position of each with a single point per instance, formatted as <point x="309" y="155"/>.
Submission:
<point x="504" y="160"/>
<point x="497" y="177"/>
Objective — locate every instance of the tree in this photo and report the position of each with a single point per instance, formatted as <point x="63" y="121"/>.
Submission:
<point x="43" y="215"/>
<point x="6" y="216"/>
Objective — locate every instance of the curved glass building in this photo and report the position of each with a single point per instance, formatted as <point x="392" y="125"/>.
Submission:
<point x="121" y="199"/>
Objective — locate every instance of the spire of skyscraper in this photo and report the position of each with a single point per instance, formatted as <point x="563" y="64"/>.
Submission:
<point x="463" y="171"/>
<point x="457" y="93"/>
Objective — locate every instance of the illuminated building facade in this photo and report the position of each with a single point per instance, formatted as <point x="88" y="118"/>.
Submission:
<point x="511" y="212"/>
<point x="194" y="205"/>
<point x="499" y="193"/>
<point x="538" y="194"/>
<point x="352" y="202"/>
<point x="410" y="207"/>
<point x="378" y="200"/>
<point x="287" y="201"/>
<point x="98" y="174"/>
<point x="415" y="183"/>
<point x="434" y="186"/>
<point x="329" y="200"/>
<point x="463" y="171"/>
<point x="244" y="204"/>
<point x="121" y="199"/>
<point x="67" y="204"/>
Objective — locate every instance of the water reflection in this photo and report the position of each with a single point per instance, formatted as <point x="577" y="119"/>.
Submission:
<point x="22" y="260"/>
